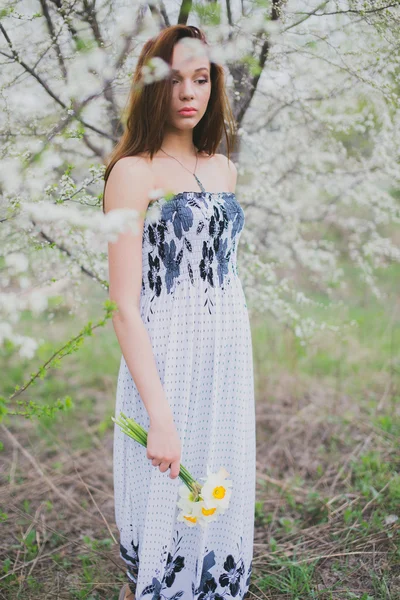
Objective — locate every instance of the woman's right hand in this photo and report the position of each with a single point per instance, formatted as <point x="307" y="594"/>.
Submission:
<point x="164" y="446"/>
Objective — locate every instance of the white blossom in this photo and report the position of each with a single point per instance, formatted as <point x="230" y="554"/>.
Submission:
<point x="318" y="153"/>
<point x="17" y="262"/>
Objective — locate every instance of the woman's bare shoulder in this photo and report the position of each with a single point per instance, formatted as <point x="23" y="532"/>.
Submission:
<point x="224" y="159"/>
<point x="132" y="166"/>
<point x="129" y="184"/>
<point x="133" y="159"/>
<point x="229" y="165"/>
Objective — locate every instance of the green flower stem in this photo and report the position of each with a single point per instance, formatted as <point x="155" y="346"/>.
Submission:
<point x="136" y="432"/>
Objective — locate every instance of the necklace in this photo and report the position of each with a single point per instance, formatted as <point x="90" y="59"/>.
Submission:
<point x="197" y="179"/>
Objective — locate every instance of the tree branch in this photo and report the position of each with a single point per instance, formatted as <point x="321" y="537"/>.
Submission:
<point x="53" y="36"/>
<point x="49" y="91"/>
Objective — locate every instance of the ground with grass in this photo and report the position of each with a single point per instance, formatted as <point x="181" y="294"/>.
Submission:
<point x="328" y="463"/>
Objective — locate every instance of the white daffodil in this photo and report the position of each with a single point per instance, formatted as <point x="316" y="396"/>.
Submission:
<point x="186" y="499"/>
<point x="186" y="504"/>
<point x="194" y="512"/>
<point x="185" y="493"/>
<point x="197" y="514"/>
<point x="191" y="511"/>
<point x="217" y="490"/>
<point x="208" y="514"/>
<point x="190" y="520"/>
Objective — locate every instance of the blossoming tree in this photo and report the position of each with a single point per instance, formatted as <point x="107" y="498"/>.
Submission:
<point x="314" y="87"/>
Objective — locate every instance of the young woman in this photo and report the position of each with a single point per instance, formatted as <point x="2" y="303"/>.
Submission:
<point x="186" y="372"/>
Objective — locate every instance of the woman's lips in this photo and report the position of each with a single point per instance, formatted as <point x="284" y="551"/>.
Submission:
<point x="188" y="112"/>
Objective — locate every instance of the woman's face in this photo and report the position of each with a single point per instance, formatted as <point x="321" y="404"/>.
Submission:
<point x="191" y="85"/>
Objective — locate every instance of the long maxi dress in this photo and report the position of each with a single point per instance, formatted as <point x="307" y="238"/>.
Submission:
<point x="194" y="309"/>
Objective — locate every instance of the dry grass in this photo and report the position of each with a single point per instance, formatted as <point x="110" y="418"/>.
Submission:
<point x="60" y="527"/>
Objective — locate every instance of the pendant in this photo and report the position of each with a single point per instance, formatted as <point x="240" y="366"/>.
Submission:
<point x="199" y="182"/>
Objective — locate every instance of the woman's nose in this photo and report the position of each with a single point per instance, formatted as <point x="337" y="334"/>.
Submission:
<point x="187" y="89"/>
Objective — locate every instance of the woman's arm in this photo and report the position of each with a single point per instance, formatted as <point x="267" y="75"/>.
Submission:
<point x="128" y="186"/>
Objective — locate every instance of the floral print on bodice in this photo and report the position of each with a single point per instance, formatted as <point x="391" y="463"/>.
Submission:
<point x="193" y="240"/>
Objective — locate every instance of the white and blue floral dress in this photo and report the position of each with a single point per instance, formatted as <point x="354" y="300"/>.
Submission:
<point x="194" y="309"/>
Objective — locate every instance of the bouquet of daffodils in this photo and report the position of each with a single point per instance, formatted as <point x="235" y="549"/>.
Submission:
<point x="199" y="504"/>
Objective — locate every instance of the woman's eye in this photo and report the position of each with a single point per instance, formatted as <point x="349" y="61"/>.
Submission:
<point x="200" y="80"/>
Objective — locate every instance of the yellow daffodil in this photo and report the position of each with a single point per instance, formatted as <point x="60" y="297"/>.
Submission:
<point x="217" y="490"/>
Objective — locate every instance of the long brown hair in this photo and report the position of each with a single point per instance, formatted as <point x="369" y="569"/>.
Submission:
<point x="148" y="104"/>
